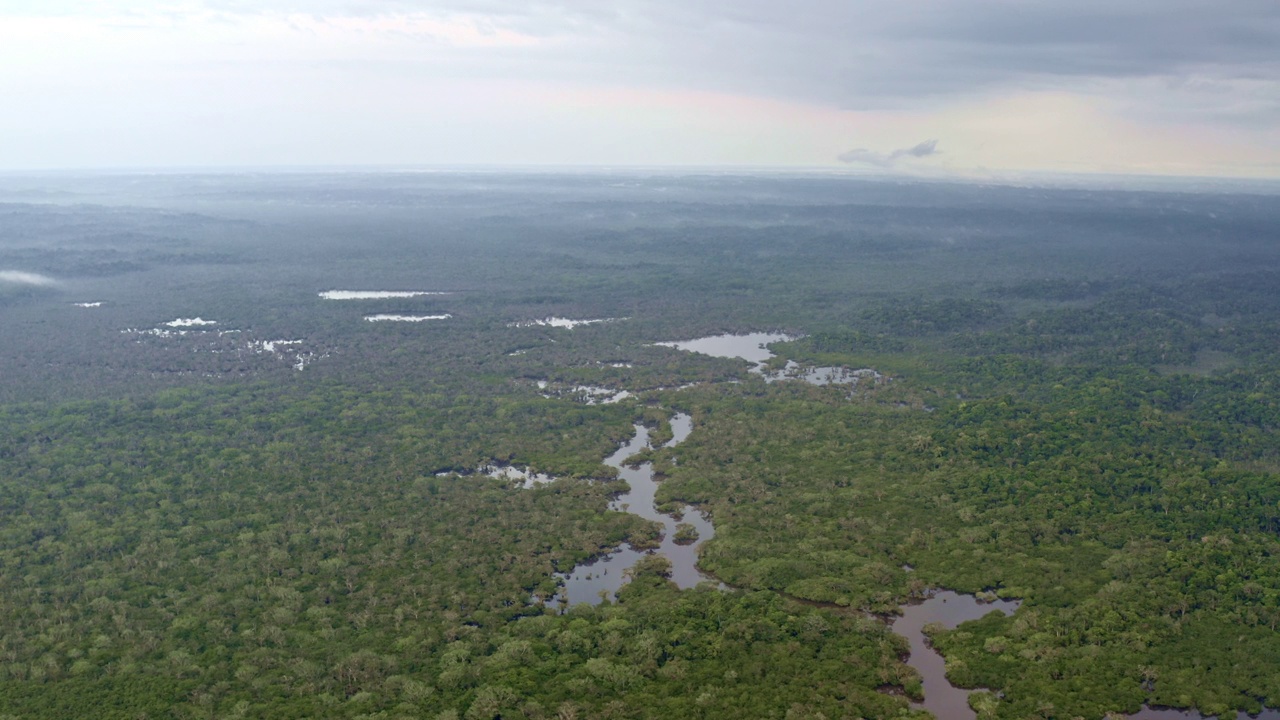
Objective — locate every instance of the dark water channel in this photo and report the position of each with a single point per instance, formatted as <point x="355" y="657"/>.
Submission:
<point x="950" y="609"/>
<point x="590" y="582"/>
<point x="948" y="702"/>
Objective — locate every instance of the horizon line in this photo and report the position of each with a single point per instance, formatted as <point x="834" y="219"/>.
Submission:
<point x="1001" y="177"/>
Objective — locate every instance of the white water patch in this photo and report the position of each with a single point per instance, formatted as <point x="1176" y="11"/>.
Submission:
<point x="196" y="325"/>
<point x="560" y="322"/>
<point x="686" y="386"/>
<point x="586" y="394"/>
<point x="190" y="322"/>
<point x="405" y="318"/>
<point x="750" y="347"/>
<point x="522" y="477"/>
<point x="822" y="375"/>
<point x="527" y="479"/>
<point x="292" y="352"/>
<point x="681" y="428"/>
<point x="88" y="304"/>
<point x="272" y="345"/>
<point x="753" y="347"/>
<point x="286" y="349"/>
<point x="595" y="395"/>
<point x="157" y="332"/>
<point x="375" y="294"/>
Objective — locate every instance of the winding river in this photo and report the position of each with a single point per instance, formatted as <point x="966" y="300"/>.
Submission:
<point x="593" y="581"/>
<point x="599" y="579"/>
<point x="941" y="698"/>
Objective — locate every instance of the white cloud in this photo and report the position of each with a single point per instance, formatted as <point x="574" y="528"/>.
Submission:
<point x="92" y="84"/>
<point x="18" y="277"/>
<point x="863" y="156"/>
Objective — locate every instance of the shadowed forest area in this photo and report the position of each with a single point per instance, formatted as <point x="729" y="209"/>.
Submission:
<point x="223" y="495"/>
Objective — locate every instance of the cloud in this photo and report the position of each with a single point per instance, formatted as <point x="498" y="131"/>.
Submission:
<point x="857" y="54"/>
<point x="453" y="80"/>
<point x="863" y="156"/>
<point x="854" y="53"/>
<point x="849" y="54"/>
<point x="19" y="277"/>
<point x="924" y="149"/>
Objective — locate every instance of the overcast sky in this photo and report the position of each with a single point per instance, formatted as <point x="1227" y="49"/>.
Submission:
<point x="1184" y="87"/>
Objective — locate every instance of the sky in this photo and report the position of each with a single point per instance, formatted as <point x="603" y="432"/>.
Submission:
<point x="917" y="87"/>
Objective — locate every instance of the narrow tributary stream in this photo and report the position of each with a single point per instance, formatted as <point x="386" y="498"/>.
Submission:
<point x="592" y="582"/>
<point x="601" y="578"/>
<point x="941" y="698"/>
<point x="589" y="582"/>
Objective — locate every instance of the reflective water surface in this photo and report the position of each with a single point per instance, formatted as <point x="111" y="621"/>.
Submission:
<point x="585" y="394"/>
<point x="526" y="478"/>
<point x="820" y="375"/>
<point x="190" y="322"/>
<point x="681" y="426"/>
<point x="560" y="322"/>
<point x="749" y="347"/>
<point x="592" y="581"/>
<point x="375" y="294"/>
<point x="589" y="582"/>
<point x="950" y="609"/>
<point x="391" y="317"/>
<point x="752" y="347"/>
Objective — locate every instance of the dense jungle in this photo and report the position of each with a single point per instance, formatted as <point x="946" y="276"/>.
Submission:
<point x="228" y="489"/>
